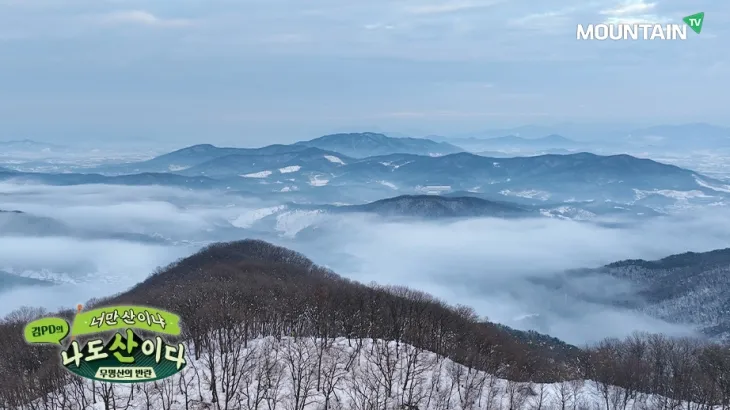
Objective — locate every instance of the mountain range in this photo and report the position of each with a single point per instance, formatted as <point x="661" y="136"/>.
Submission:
<point x="516" y="143"/>
<point x="682" y="136"/>
<point x="303" y="173"/>
<point x="26" y="145"/>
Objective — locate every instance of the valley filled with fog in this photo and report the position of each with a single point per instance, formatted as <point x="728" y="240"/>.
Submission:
<point x="70" y="242"/>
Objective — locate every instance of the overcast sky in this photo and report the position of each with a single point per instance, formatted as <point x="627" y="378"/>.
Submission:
<point x="254" y="71"/>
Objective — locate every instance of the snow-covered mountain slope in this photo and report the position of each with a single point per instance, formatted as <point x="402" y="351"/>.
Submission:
<point x="342" y="374"/>
<point x="689" y="288"/>
<point x="241" y="350"/>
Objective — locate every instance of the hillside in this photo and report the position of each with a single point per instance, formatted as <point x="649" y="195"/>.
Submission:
<point x="370" y="144"/>
<point x="433" y="206"/>
<point x="10" y="281"/>
<point x="21" y="223"/>
<point x="263" y="165"/>
<point x="281" y="317"/>
<point x="689" y="288"/>
<point x="187" y="157"/>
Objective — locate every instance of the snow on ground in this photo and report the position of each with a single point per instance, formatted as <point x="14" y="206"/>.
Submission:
<point x="679" y="195"/>
<point x="318" y="180"/>
<point x="388" y="184"/>
<point x="246" y="219"/>
<point x="262" y="174"/>
<point x="272" y="374"/>
<point x="334" y="159"/>
<point x="722" y="188"/>
<point x="289" y="169"/>
<point x="532" y="194"/>
<point x="394" y="166"/>
<point x="291" y="223"/>
<point x="568" y="212"/>
<point x="175" y="168"/>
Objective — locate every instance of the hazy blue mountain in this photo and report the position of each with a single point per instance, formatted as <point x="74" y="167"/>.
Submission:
<point x="588" y="176"/>
<point x="191" y="156"/>
<point x="21" y="223"/>
<point x="368" y="144"/>
<point x="432" y="206"/>
<point x="581" y="132"/>
<point x="686" y="136"/>
<point x="512" y="142"/>
<point x="27" y="145"/>
<point x="312" y="173"/>
<point x="262" y="165"/>
<point x="132" y="179"/>
<point x="10" y="281"/>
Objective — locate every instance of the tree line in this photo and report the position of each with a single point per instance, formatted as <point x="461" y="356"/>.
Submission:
<point x="231" y="296"/>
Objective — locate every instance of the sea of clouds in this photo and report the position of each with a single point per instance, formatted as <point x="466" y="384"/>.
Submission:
<point x="118" y="235"/>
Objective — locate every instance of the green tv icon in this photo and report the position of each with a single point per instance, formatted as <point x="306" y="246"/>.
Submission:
<point x="695" y="21"/>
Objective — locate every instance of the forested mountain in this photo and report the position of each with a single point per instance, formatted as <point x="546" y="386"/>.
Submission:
<point x="370" y="144"/>
<point x="265" y="318"/>
<point x="689" y="288"/>
<point x="685" y="288"/>
<point x="432" y="206"/>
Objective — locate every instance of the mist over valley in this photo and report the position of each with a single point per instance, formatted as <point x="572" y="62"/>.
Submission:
<point x="485" y="232"/>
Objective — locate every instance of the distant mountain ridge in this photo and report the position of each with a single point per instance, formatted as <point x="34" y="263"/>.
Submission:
<point x="356" y="145"/>
<point x="369" y="144"/>
<point x="28" y="144"/>
<point x="548" y="141"/>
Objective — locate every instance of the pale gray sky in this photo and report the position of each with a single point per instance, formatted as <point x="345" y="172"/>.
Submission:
<point x="254" y="71"/>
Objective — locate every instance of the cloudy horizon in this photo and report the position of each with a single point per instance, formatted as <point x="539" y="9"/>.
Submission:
<point x="254" y="72"/>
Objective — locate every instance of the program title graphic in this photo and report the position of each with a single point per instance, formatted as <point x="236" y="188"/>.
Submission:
<point x="126" y="357"/>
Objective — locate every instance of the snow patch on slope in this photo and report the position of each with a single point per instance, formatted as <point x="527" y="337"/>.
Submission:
<point x="175" y="168"/>
<point x="262" y="174"/>
<point x="393" y="165"/>
<point x="318" y="180"/>
<point x="291" y="223"/>
<point x="334" y="159"/>
<point x="246" y="219"/>
<point x="388" y="184"/>
<point x="531" y="194"/>
<point x="669" y="193"/>
<point x="568" y="212"/>
<point x="289" y="169"/>
<point x="722" y="188"/>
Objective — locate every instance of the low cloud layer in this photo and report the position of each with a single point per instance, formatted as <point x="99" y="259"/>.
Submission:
<point x="484" y="263"/>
